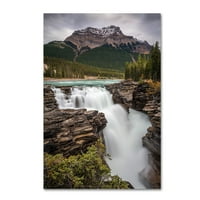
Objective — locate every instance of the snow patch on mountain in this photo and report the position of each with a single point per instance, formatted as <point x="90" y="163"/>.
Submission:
<point x="104" y="32"/>
<point x="90" y="38"/>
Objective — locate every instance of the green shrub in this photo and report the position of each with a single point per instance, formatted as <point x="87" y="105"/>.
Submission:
<point x="87" y="170"/>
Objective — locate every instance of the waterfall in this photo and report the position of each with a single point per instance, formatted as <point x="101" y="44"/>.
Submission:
<point x="61" y="99"/>
<point x="123" y="133"/>
<point x="123" y="137"/>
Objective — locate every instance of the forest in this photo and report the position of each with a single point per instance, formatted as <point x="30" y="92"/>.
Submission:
<point x="61" y="68"/>
<point x="146" y="66"/>
<point x="59" y="50"/>
<point x="105" y="57"/>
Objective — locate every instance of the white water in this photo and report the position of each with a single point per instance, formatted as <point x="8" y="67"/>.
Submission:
<point x="86" y="97"/>
<point x="123" y="133"/>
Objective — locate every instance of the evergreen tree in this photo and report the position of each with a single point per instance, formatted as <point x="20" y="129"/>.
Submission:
<point x="146" y="67"/>
<point x="60" y="68"/>
<point x="155" y="62"/>
<point x="127" y="71"/>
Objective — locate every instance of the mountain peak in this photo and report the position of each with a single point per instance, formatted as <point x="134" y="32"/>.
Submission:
<point x="102" y="32"/>
<point x="112" y="35"/>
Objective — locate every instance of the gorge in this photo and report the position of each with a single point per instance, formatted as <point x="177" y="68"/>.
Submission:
<point x="122" y="131"/>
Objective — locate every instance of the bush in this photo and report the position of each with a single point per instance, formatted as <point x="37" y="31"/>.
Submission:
<point x="155" y="85"/>
<point x="87" y="170"/>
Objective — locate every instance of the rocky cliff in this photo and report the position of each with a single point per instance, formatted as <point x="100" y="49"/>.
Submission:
<point x="69" y="131"/>
<point x="123" y="92"/>
<point x="143" y="97"/>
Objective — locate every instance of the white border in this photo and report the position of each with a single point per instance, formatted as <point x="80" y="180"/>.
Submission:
<point x="21" y="97"/>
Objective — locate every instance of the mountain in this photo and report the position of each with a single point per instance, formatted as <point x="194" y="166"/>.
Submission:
<point x="59" y="49"/>
<point x="107" y="47"/>
<point x="91" y="38"/>
<point x="106" y="57"/>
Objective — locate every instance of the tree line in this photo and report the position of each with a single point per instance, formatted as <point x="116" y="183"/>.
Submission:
<point x="146" y="66"/>
<point x="61" y="68"/>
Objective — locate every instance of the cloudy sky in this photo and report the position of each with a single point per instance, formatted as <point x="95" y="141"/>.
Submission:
<point x="142" y="26"/>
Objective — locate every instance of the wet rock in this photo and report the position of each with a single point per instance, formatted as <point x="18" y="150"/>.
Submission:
<point x="152" y="143"/>
<point x="129" y="185"/>
<point x="49" y="99"/>
<point x="90" y="114"/>
<point x="122" y="92"/>
<point x="147" y="101"/>
<point x="151" y="177"/>
<point x="65" y="89"/>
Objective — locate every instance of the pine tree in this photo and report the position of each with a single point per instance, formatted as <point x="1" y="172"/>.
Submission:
<point x="155" y="62"/>
<point x="127" y="71"/>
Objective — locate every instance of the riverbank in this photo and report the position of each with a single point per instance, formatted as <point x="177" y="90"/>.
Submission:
<point x="79" y="79"/>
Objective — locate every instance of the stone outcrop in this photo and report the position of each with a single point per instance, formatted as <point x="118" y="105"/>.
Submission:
<point x="123" y="92"/>
<point x="69" y="131"/>
<point x="65" y="89"/>
<point x="49" y="99"/>
<point x="143" y="98"/>
<point x="148" y="101"/>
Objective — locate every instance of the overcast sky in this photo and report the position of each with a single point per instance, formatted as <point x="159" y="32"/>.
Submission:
<point x="141" y="26"/>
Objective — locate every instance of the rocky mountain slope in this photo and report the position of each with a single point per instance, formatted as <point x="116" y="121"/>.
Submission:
<point x="107" y="47"/>
<point x="91" y="38"/>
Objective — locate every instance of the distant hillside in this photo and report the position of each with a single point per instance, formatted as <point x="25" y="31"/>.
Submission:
<point x="58" y="49"/>
<point x="61" y="68"/>
<point x="105" y="57"/>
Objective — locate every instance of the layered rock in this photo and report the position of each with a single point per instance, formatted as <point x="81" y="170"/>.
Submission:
<point x="65" y="89"/>
<point x="69" y="131"/>
<point x="122" y="92"/>
<point x="143" y="97"/>
<point x="49" y="99"/>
